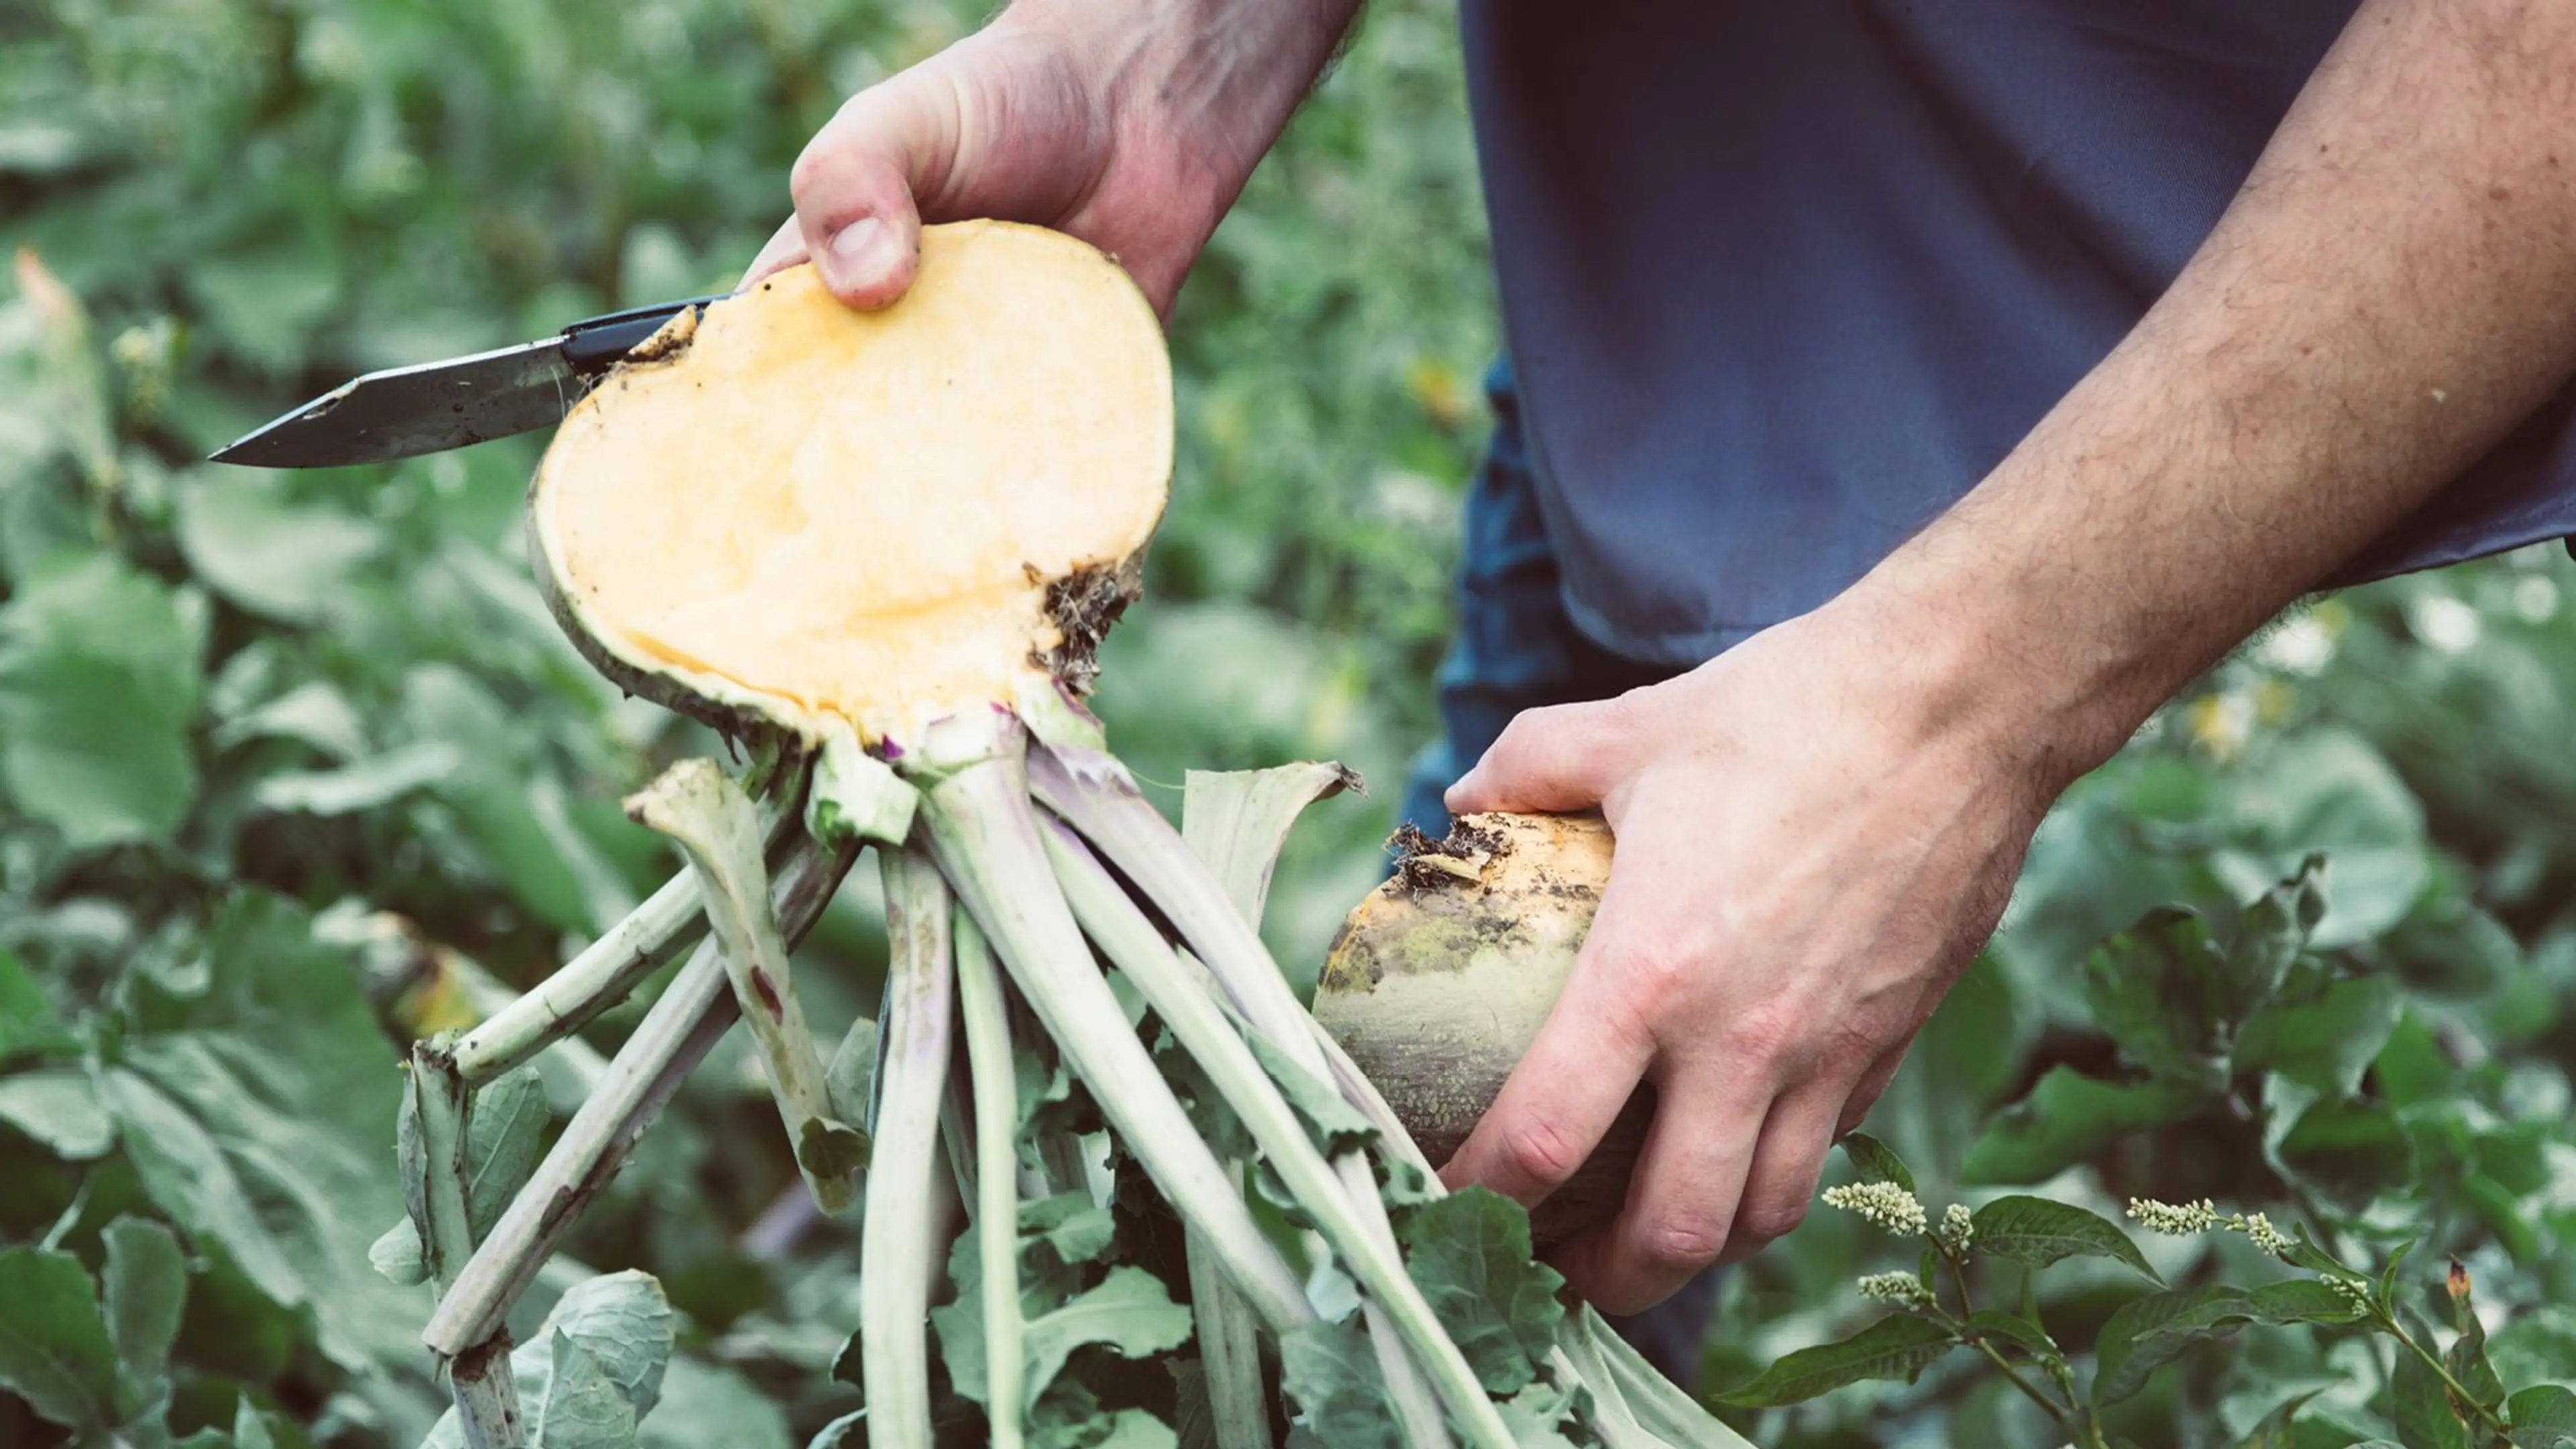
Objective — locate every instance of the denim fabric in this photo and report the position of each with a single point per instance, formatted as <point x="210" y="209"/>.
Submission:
<point x="1516" y="649"/>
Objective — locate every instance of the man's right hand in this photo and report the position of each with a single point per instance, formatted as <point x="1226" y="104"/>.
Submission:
<point x="1131" y="126"/>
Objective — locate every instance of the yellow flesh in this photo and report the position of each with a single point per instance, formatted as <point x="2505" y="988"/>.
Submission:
<point x="827" y="512"/>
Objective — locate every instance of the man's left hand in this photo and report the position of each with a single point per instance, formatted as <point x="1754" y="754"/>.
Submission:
<point x="1809" y="852"/>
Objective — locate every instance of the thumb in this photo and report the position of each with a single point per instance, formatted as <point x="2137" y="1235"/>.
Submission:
<point x="854" y="184"/>
<point x="1559" y="758"/>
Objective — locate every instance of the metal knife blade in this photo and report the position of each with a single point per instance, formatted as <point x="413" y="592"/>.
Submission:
<point x="429" y="407"/>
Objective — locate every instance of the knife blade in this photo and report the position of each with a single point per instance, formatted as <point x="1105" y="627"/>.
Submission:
<point x="429" y="407"/>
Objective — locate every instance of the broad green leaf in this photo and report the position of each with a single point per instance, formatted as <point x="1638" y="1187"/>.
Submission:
<point x="2161" y="990"/>
<point x="145" y="1286"/>
<point x="255" y="1114"/>
<point x="2333" y="792"/>
<point x="250" y="1428"/>
<point x="29" y="1025"/>
<point x="1237" y="821"/>
<point x="2066" y="1119"/>
<point x="1896" y="1347"/>
<point x="594" y="1369"/>
<point x="54" y="1348"/>
<point x="2347" y="1151"/>
<point x="702" y="1406"/>
<point x="503" y="1133"/>
<point x="2421" y="1407"/>
<point x="2543" y="1417"/>
<point x="271" y="555"/>
<point x="2145" y="1334"/>
<point x="1069" y="1225"/>
<point x="368" y="784"/>
<point x="2326" y="1043"/>
<point x="1129" y="1314"/>
<point x="397" y="1256"/>
<point x="1470" y="1254"/>
<point x="1072" y="1417"/>
<point x="58" y="1107"/>
<point x="1875" y="1161"/>
<point x="2413" y="1066"/>
<point x="2015" y="1329"/>
<point x="1545" y="1416"/>
<point x="2270" y="934"/>
<point x="98" y="684"/>
<point x="2037" y="1231"/>
<point x="1331" y="1376"/>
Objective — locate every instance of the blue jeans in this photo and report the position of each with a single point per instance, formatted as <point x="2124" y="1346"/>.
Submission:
<point x="1516" y="649"/>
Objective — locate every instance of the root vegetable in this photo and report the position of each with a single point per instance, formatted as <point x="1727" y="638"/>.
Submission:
<point x="882" y="548"/>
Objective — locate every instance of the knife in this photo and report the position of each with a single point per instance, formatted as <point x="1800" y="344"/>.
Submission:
<point x="429" y="407"/>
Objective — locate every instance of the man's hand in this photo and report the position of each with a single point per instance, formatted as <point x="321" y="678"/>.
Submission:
<point x="1819" y="828"/>
<point x="1132" y="126"/>
<point x="1805" y="862"/>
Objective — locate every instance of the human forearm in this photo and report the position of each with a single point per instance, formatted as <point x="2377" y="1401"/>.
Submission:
<point x="2393" y="290"/>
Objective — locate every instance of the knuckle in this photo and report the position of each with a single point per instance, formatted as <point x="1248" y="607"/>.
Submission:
<point x="1538" y="1152"/>
<point x="1763" y="1221"/>
<point x="1681" y="1245"/>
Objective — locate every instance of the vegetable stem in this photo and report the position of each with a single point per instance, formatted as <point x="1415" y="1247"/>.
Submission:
<point x="985" y="837"/>
<point x="441" y="1102"/>
<point x="597" y="978"/>
<point x="997" y="1200"/>
<point x="710" y="818"/>
<point x="894" y="1301"/>
<point x="487" y="1396"/>
<point x="1131" y="941"/>
<point x="693" y="1014"/>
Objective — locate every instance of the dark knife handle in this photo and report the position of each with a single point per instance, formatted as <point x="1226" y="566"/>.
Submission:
<point x="597" y="343"/>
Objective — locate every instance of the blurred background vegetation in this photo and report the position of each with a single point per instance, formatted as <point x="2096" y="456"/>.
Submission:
<point x="286" y="759"/>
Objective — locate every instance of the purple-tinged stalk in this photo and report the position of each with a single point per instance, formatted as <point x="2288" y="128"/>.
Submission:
<point x="984" y="835"/>
<point x="692" y="1015"/>
<point x="712" y="821"/>
<point x="912" y="1077"/>
<point x="1133" y="944"/>
<point x="996" y="1099"/>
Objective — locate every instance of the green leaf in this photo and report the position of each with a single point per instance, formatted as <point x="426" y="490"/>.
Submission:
<point x="2145" y="1334"/>
<point x="54" y="1348"/>
<point x="274" y="557"/>
<point x="594" y="1369"/>
<point x="59" y="1108"/>
<point x="2037" y="1232"/>
<point x="2270" y="934"/>
<point x="2161" y="990"/>
<point x="146" y="1286"/>
<point x="703" y="1406"/>
<point x="1070" y="1226"/>
<point x="2413" y="1068"/>
<point x="1875" y="1161"/>
<point x="839" y="1433"/>
<point x="98" y="684"/>
<point x="1329" y="1373"/>
<point x="2015" y="1329"/>
<point x="503" y="1134"/>
<point x="2466" y="1358"/>
<point x="2334" y="792"/>
<point x="254" y="1112"/>
<point x="1546" y="1416"/>
<point x="2065" y="1120"/>
<point x="2543" y="1417"/>
<point x="2326" y="1043"/>
<point x="2349" y="1152"/>
<point x="1897" y="1347"/>
<point x="396" y="1255"/>
<point x="1470" y="1253"/>
<point x="2421" y="1407"/>
<point x="29" y="1026"/>
<point x="1129" y="1313"/>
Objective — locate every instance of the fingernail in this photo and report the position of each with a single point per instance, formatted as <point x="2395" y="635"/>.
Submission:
<point x="861" y="250"/>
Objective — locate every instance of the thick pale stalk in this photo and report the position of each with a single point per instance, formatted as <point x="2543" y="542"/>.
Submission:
<point x="985" y="837"/>
<point x="1131" y="941"/>
<point x="1659" y="1406"/>
<point x="912" y="1076"/>
<point x="1093" y="791"/>
<point x="997" y="1201"/>
<point x="692" y="1015"/>
<point x="713" y="823"/>
<point x="487" y="1398"/>
<point x="1229" y="1349"/>
<point x="1236" y="823"/>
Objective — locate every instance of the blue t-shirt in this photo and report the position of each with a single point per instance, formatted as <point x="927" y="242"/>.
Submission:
<point x="1782" y="280"/>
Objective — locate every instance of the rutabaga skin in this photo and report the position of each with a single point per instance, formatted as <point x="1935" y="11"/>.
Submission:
<point x="880" y="548"/>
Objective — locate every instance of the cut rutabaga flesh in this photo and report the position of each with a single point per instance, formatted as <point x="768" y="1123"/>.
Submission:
<point x="1443" y="976"/>
<point x="802" y="514"/>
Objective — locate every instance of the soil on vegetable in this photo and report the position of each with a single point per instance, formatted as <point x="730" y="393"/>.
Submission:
<point x="1083" y="605"/>
<point x="1422" y="863"/>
